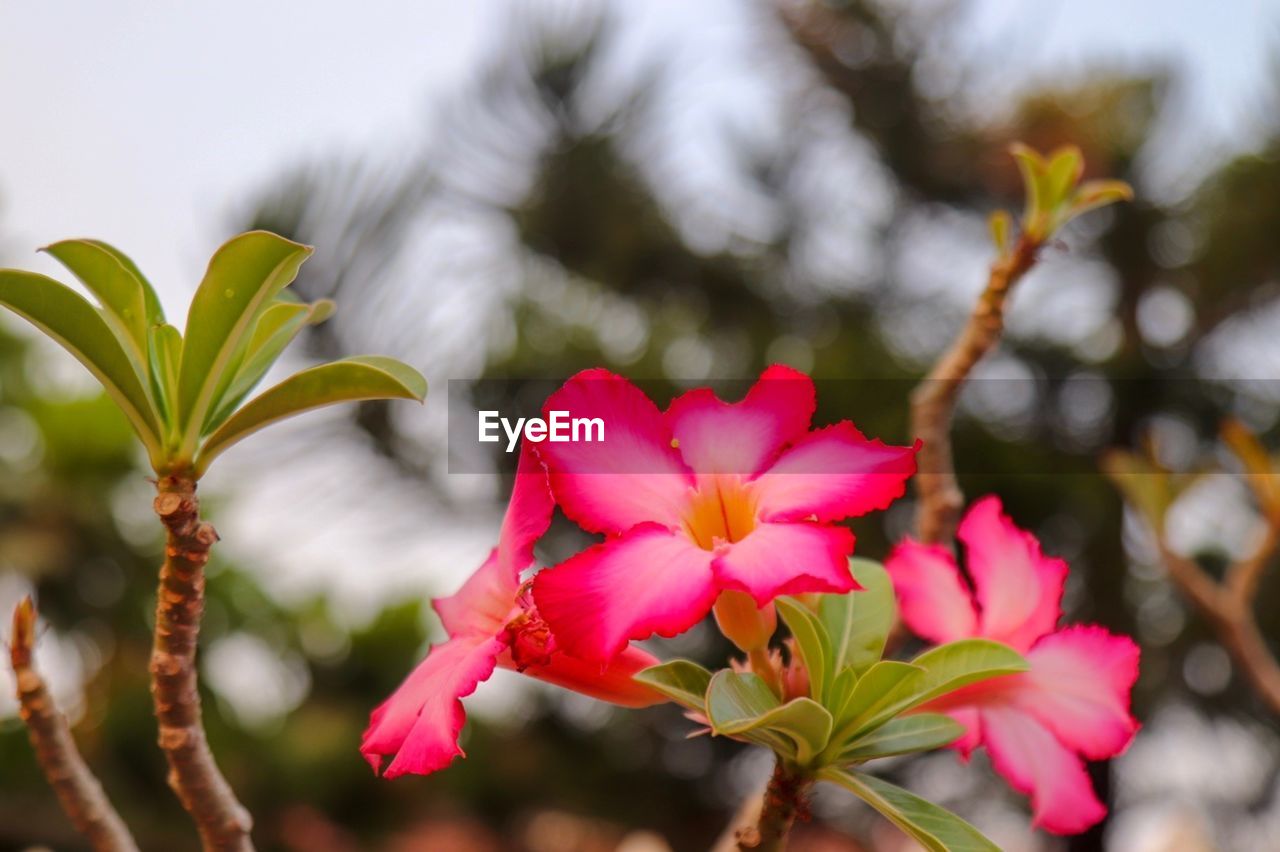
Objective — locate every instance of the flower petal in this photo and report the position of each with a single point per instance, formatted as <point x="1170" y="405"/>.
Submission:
<point x="649" y="580"/>
<point x="420" y="723"/>
<point x="971" y="719"/>
<point x="743" y="437"/>
<point x="1033" y="762"/>
<point x="787" y="559"/>
<point x="633" y="475"/>
<point x="933" y="598"/>
<point x="486" y="598"/>
<point x="833" y="473"/>
<point x="1078" y="687"/>
<point x="1017" y="587"/>
<point x="614" y="684"/>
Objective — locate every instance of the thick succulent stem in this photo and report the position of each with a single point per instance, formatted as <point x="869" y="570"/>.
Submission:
<point x="933" y="402"/>
<point x="78" y="791"/>
<point x="223" y="822"/>
<point x="785" y="800"/>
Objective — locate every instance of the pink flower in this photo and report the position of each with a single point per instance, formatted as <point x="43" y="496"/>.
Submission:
<point x="491" y="622"/>
<point x="1074" y="701"/>
<point x="706" y="497"/>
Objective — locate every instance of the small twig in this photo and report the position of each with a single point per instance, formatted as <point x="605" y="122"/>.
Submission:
<point x="933" y="401"/>
<point x="223" y="822"/>
<point x="78" y="791"/>
<point x="1229" y="608"/>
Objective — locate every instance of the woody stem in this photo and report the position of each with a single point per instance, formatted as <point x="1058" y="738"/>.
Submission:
<point x="222" y="821"/>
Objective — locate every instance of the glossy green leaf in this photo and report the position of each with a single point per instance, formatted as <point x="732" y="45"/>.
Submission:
<point x="812" y="642"/>
<point x="840" y="693"/>
<point x="155" y="313"/>
<point x="742" y="705"/>
<point x="906" y="734"/>
<point x="858" y="623"/>
<point x="275" y="329"/>
<point x="683" y="681"/>
<point x="873" y="695"/>
<point x="165" y="353"/>
<point x="117" y="289"/>
<point x="242" y="279"/>
<point x="348" y="380"/>
<point x="69" y="319"/>
<point x="943" y="669"/>
<point x="935" y="828"/>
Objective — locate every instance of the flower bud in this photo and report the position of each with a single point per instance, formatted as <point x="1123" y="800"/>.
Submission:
<point x="742" y="622"/>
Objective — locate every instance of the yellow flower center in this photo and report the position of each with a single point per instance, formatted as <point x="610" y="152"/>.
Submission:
<point x="722" y="511"/>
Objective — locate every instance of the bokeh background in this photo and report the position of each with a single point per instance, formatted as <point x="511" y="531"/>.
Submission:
<point x="679" y="191"/>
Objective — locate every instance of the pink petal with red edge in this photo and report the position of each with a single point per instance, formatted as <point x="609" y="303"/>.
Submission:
<point x="833" y="473"/>
<point x="633" y="475"/>
<point x="485" y="599"/>
<point x="1017" y="587"/>
<point x="933" y="598"/>
<point x="649" y="580"/>
<point x="743" y="437"/>
<point x="614" y="683"/>
<point x="972" y="736"/>
<point x="787" y="559"/>
<point x="418" y="726"/>
<point x="1078" y="687"/>
<point x="1033" y="762"/>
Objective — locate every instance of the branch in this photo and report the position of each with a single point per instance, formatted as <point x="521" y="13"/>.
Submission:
<point x="1228" y="607"/>
<point x="78" y="791"/>
<point x="765" y="821"/>
<point x="223" y="822"/>
<point x="933" y="401"/>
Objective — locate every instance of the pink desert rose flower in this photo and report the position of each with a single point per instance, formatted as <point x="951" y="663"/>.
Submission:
<point x="491" y="622"/>
<point x="704" y="498"/>
<point x="1073" y="703"/>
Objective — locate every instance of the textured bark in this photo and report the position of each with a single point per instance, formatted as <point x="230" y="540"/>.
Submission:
<point x="934" y="400"/>
<point x="78" y="791"/>
<point x="223" y="822"/>
<point x="785" y="799"/>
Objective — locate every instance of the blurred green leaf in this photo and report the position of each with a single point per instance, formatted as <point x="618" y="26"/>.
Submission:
<point x="1001" y="225"/>
<point x="243" y="276"/>
<point x="935" y="828"/>
<point x="873" y="693"/>
<point x="348" y="380"/>
<point x="1061" y="175"/>
<point x="917" y="732"/>
<point x="78" y="327"/>
<point x="683" y="681"/>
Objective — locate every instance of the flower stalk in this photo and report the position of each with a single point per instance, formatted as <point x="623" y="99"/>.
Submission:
<point x="79" y="792"/>
<point x="785" y="800"/>
<point x="223" y="823"/>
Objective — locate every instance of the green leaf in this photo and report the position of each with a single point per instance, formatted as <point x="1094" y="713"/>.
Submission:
<point x="873" y="694"/>
<point x="811" y="640"/>
<point x="935" y="828"/>
<point x="917" y="732"/>
<point x="116" y="288"/>
<point x="1061" y="175"/>
<point x="165" y="353"/>
<point x="1093" y="194"/>
<point x="276" y="328"/>
<point x="840" y="693"/>
<point x="858" y="623"/>
<point x="941" y="670"/>
<point x="1001" y="225"/>
<point x="243" y="276"/>
<point x="80" y="328"/>
<point x="348" y="380"/>
<point x="1032" y="167"/>
<point x="742" y="705"/>
<point x="683" y="681"/>
<point x="155" y="313"/>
